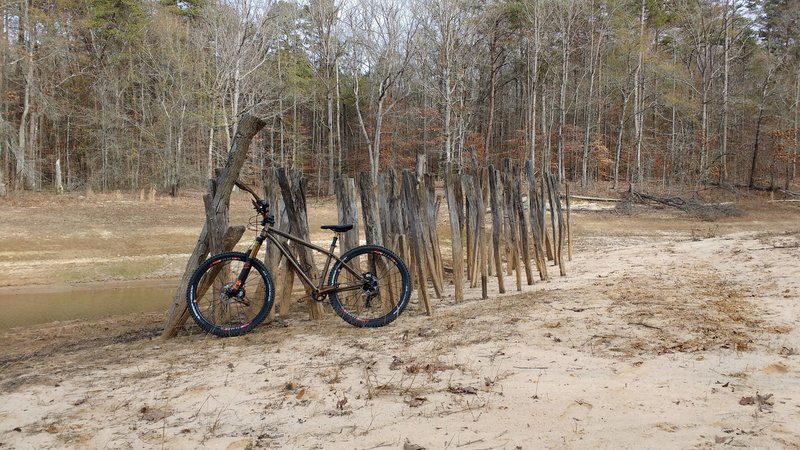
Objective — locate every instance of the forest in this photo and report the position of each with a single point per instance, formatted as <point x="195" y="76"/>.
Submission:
<point x="134" y="94"/>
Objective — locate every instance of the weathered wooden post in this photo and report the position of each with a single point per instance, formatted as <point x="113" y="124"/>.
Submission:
<point x="293" y="186"/>
<point x="558" y="223"/>
<point x="482" y="190"/>
<point x="537" y="221"/>
<point x="511" y="219"/>
<point x="453" y="205"/>
<point x="569" y="226"/>
<point x="497" y="227"/>
<point x="216" y="236"/>
<point x="273" y="259"/>
<point x="348" y="212"/>
<point x="471" y="227"/>
<point x="416" y="239"/>
<point x="392" y="217"/>
<point x="522" y="222"/>
<point x="427" y="217"/>
<point x="369" y="209"/>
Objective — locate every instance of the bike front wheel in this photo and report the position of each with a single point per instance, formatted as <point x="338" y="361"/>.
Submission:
<point x="373" y="286"/>
<point x="221" y="307"/>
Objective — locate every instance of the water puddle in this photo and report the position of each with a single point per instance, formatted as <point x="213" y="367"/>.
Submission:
<point x="42" y="304"/>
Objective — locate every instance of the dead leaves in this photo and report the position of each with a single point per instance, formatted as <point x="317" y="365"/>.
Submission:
<point x="153" y="414"/>
<point x="765" y="403"/>
<point x="408" y="445"/>
<point x="415" y="402"/>
<point x="462" y="390"/>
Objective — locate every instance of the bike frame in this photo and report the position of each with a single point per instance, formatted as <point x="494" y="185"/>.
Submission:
<point x="318" y="291"/>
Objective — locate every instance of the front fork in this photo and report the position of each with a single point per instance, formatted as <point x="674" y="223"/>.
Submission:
<point x="236" y="289"/>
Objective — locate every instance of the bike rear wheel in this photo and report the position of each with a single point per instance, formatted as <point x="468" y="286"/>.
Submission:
<point x="376" y="293"/>
<point x="218" y="306"/>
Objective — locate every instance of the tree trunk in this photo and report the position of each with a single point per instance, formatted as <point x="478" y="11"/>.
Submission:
<point x="492" y="90"/>
<point x="638" y="101"/>
<point x="588" y="129"/>
<point x="620" y="135"/>
<point x="24" y="177"/>
<point x="761" y="107"/>
<point x="562" y="98"/>
<point x="332" y="176"/>
<point x="723" y="153"/>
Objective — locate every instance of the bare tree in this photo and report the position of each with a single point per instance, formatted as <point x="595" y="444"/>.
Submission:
<point x="448" y="25"/>
<point x="324" y="16"/>
<point x="382" y="44"/>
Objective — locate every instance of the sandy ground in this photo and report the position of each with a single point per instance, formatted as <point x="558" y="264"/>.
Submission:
<point x="667" y="332"/>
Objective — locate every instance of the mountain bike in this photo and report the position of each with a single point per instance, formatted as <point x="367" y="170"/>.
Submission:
<point x="231" y="293"/>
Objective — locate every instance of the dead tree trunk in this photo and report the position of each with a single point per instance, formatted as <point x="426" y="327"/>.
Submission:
<point x="216" y="237"/>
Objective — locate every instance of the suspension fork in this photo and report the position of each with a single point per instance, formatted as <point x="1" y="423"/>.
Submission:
<point x="251" y="254"/>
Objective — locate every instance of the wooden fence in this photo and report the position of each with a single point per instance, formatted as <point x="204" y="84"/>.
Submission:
<point x="503" y="222"/>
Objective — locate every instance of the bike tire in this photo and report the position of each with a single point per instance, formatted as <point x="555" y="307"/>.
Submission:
<point x="379" y="300"/>
<point x="218" y="313"/>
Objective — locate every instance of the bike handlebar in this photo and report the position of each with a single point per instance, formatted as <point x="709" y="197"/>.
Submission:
<point x="261" y="205"/>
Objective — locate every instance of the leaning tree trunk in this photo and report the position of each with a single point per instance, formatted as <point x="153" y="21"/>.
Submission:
<point x="216" y="236"/>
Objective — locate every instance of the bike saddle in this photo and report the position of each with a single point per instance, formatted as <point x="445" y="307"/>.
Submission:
<point x="338" y="228"/>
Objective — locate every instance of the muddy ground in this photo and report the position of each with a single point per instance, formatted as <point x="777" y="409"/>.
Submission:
<point x="667" y="332"/>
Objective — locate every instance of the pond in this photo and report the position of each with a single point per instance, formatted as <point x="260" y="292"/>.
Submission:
<point x="25" y="306"/>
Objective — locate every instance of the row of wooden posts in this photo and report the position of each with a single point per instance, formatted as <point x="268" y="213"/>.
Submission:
<point x="403" y="215"/>
<point x="508" y="240"/>
<point x="513" y="240"/>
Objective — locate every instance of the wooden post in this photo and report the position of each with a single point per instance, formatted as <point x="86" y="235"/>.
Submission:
<point x="471" y="227"/>
<point x="345" y="188"/>
<point x="483" y="250"/>
<point x="395" y="216"/>
<point x="293" y="186"/>
<point x="415" y="238"/>
<point x="497" y="226"/>
<point x="522" y="222"/>
<point x="545" y="235"/>
<point x="216" y="225"/>
<point x="272" y="256"/>
<point x="569" y="227"/>
<point x="555" y="205"/>
<point x="453" y="206"/>
<point x="472" y="215"/>
<point x="369" y="209"/>
<point x="427" y="202"/>
<point x="384" y="193"/>
<point x="511" y="218"/>
<point x="537" y="221"/>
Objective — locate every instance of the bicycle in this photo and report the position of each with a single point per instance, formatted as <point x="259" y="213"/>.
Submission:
<point x="368" y="286"/>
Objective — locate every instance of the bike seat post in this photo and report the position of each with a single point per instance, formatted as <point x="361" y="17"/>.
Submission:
<point x="328" y="259"/>
<point x="333" y="242"/>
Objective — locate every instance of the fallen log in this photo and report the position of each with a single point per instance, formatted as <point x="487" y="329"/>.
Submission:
<point x="694" y="207"/>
